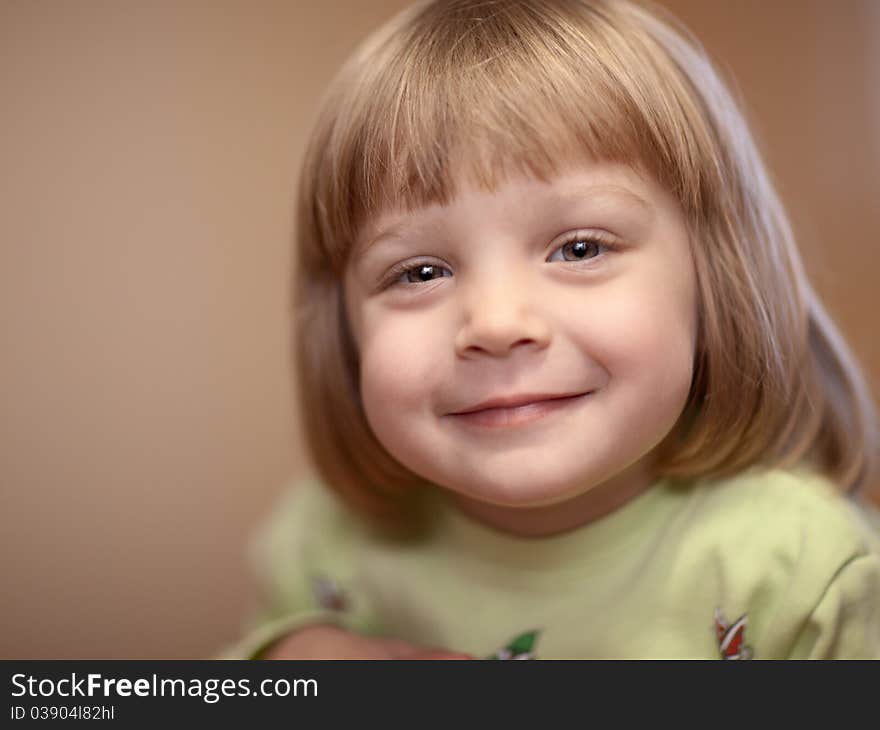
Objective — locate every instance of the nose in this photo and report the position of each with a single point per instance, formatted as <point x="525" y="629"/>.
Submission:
<point x="499" y="317"/>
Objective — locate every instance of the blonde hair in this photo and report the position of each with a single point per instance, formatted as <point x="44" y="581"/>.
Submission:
<point x="496" y="87"/>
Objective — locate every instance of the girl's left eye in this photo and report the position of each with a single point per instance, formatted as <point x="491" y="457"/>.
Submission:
<point x="581" y="248"/>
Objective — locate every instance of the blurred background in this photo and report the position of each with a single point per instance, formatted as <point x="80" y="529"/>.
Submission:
<point x="147" y="169"/>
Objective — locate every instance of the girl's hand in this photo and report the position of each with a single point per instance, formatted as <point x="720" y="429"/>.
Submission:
<point x="331" y="642"/>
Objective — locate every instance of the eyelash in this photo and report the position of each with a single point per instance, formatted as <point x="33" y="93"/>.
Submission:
<point x="597" y="239"/>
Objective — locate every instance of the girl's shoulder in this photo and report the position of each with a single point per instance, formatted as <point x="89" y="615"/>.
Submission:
<point x="792" y="553"/>
<point x="306" y="521"/>
<point x="304" y="500"/>
<point x="786" y="507"/>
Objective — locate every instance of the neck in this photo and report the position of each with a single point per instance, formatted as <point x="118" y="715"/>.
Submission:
<point x="563" y="516"/>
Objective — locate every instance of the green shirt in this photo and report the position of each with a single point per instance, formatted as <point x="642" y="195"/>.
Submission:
<point x="668" y="575"/>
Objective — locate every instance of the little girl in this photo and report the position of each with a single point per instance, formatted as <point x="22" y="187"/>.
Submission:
<point x="567" y="389"/>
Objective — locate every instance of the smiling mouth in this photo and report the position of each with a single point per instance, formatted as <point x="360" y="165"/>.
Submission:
<point x="518" y="415"/>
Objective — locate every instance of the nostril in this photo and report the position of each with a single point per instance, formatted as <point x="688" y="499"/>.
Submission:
<point x="500" y="339"/>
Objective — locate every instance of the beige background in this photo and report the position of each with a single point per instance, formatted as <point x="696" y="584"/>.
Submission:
<point x="148" y="154"/>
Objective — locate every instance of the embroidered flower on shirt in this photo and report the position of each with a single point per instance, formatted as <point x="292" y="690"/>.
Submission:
<point x="328" y="595"/>
<point x="731" y="637"/>
<point x="519" y="648"/>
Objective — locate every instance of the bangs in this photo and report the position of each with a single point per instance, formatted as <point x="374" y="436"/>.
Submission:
<point x="486" y="91"/>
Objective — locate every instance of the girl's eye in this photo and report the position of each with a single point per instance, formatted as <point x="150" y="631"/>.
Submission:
<point x="580" y="249"/>
<point x="418" y="274"/>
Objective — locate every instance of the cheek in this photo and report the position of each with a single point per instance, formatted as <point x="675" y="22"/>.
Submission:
<point x="399" y="368"/>
<point x="645" y="337"/>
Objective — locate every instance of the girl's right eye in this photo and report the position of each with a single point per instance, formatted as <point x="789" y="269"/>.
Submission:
<point x="416" y="274"/>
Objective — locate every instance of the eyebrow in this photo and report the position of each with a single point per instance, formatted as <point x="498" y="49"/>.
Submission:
<point x="585" y="191"/>
<point x="393" y="231"/>
<point x="396" y="230"/>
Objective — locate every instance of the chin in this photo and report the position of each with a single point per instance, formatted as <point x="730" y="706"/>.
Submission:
<point x="523" y="493"/>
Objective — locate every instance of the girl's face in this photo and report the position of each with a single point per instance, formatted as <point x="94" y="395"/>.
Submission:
<point x="528" y="348"/>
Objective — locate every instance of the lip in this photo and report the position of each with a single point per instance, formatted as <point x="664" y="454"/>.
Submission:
<point x="516" y="410"/>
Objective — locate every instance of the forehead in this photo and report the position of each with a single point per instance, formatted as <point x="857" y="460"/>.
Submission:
<point x="598" y="184"/>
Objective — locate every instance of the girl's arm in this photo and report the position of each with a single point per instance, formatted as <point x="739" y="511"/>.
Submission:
<point x="845" y="623"/>
<point x="333" y="642"/>
<point x="293" y="557"/>
<point x="308" y="605"/>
